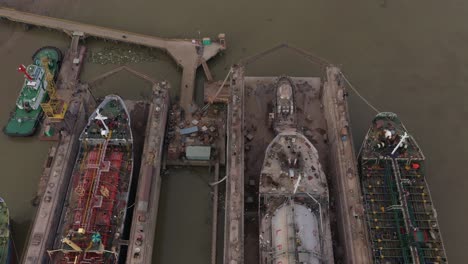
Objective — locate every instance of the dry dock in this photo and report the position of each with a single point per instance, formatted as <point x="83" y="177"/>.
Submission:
<point x="323" y="118"/>
<point x="42" y="234"/>
<point x="140" y="247"/>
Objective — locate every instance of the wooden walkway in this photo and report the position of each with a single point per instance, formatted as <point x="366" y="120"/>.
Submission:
<point x="183" y="51"/>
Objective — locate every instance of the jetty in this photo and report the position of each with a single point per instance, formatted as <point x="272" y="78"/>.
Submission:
<point x="189" y="54"/>
<point x="234" y="215"/>
<point x="145" y="212"/>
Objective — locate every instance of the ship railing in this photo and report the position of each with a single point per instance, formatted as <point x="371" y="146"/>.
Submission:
<point x="68" y="251"/>
<point x="320" y="211"/>
<point x="393" y="203"/>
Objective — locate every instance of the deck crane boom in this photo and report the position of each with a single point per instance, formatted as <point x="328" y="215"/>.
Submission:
<point x="55" y="108"/>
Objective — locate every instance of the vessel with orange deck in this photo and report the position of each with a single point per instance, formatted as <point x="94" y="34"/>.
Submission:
<point x="93" y="218"/>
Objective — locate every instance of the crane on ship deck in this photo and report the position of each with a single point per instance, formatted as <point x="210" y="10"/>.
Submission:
<point x="55" y="108"/>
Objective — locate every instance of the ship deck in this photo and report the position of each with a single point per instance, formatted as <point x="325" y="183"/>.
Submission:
<point x="376" y="136"/>
<point x="97" y="201"/>
<point x="28" y="92"/>
<point x="292" y="160"/>
<point x="401" y="218"/>
<point x="4" y="232"/>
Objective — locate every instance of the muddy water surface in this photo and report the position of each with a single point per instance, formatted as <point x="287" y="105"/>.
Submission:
<point x="406" y="56"/>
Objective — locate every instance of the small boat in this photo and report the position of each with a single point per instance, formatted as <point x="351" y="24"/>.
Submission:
<point x="28" y="112"/>
<point x="6" y="242"/>
<point x="401" y="219"/>
<point x="285" y="117"/>
<point x="93" y="220"/>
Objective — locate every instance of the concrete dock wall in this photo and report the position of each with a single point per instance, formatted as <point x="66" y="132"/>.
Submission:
<point x="350" y="215"/>
<point x="140" y="247"/>
<point x="44" y="227"/>
<point x="234" y="221"/>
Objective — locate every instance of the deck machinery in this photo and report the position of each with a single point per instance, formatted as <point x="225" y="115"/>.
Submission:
<point x="401" y="218"/>
<point x="93" y="217"/>
<point x="54" y="108"/>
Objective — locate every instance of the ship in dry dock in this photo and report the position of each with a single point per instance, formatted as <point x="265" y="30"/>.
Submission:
<point x="284" y="117"/>
<point x="93" y="218"/>
<point x="401" y="218"/>
<point x="293" y="192"/>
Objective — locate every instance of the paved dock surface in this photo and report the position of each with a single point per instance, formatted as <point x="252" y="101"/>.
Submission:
<point x="234" y="221"/>
<point x="143" y="231"/>
<point x="185" y="53"/>
<point x="350" y="211"/>
<point x="42" y="234"/>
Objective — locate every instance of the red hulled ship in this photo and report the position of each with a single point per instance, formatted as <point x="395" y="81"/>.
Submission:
<point x="94" y="212"/>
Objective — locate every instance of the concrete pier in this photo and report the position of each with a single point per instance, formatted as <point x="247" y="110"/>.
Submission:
<point x="351" y="223"/>
<point x="322" y="116"/>
<point x="234" y="221"/>
<point x="185" y="53"/>
<point x="47" y="218"/>
<point x="140" y="246"/>
<point x="42" y="234"/>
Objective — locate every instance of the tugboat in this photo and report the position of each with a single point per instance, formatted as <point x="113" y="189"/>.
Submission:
<point x="6" y="242"/>
<point x="293" y="193"/>
<point x="401" y="218"/>
<point x="28" y="112"/>
<point x="94" y="214"/>
<point x="285" y="117"/>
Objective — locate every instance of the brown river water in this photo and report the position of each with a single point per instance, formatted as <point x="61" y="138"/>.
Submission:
<point x="405" y="56"/>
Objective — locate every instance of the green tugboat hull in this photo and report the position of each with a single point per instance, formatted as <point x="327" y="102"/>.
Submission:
<point x="26" y="127"/>
<point x="6" y="242"/>
<point x="23" y="122"/>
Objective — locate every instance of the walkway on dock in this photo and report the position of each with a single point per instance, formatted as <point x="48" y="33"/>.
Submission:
<point x="234" y="221"/>
<point x="351" y="221"/>
<point x="183" y="51"/>
<point x="145" y="212"/>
